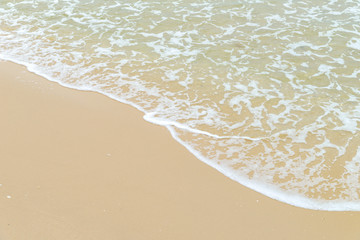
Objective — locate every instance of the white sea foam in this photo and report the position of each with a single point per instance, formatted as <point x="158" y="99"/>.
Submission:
<point x="265" y="92"/>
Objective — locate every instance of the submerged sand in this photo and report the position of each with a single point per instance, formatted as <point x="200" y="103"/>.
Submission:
<point x="78" y="165"/>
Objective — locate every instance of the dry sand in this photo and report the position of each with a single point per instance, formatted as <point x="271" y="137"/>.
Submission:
<point x="78" y="165"/>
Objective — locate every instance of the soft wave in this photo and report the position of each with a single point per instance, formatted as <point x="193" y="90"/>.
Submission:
<point x="265" y="92"/>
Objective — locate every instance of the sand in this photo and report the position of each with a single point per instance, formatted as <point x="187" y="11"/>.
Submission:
<point x="78" y="165"/>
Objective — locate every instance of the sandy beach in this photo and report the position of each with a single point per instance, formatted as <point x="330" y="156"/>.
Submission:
<point x="78" y="165"/>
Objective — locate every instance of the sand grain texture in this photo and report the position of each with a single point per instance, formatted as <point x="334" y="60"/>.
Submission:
<point x="79" y="165"/>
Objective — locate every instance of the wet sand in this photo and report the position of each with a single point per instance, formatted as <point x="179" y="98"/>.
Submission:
<point x="78" y="165"/>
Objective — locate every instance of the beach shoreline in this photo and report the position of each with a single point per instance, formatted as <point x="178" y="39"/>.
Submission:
<point x="79" y="165"/>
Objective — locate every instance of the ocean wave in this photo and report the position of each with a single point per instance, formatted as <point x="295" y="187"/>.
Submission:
<point x="265" y="92"/>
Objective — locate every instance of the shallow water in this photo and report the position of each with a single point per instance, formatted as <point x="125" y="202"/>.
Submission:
<point x="267" y="92"/>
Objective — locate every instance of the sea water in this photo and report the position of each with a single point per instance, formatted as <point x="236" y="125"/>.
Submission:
<point x="265" y="91"/>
